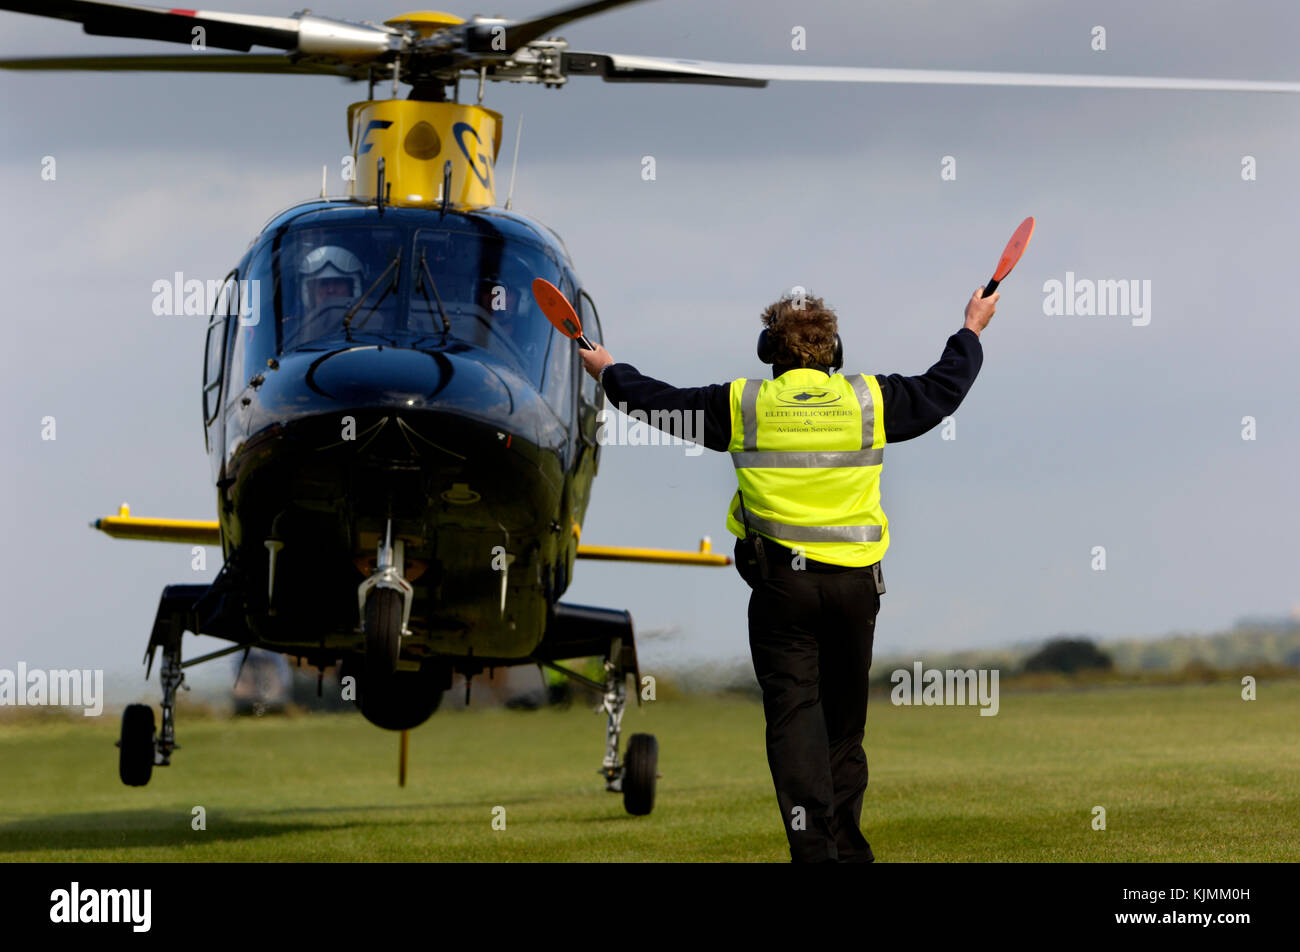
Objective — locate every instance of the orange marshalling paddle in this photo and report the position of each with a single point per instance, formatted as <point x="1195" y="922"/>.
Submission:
<point x="559" y="311"/>
<point x="1011" y="254"/>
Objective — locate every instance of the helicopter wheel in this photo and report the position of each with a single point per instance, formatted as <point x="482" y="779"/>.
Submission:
<point x="383" y="633"/>
<point x="404" y="701"/>
<point x="135" y="762"/>
<point x="640" y="770"/>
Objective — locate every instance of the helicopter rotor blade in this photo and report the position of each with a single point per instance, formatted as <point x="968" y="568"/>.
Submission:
<point x="617" y="67"/>
<point x="520" y="32"/>
<point x="335" y="47"/>
<point x="191" y="63"/>
<point x="308" y="35"/>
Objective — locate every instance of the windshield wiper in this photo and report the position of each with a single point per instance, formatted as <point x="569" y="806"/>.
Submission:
<point x="419" y="286"/>
<point x="352" y="311"/>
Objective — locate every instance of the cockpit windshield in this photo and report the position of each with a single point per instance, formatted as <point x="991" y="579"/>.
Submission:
<point x="368" y="282"/>
<point x="485" y="286"/>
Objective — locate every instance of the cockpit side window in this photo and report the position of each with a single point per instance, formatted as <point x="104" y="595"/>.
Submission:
<point x="586" y="309"/>
<point x="558" y="388"/>
<point x="252" y="332"/>
<point x="214" y="356"/>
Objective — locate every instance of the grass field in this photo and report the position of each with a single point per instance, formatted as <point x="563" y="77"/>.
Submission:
<point x="1190" y="773"/>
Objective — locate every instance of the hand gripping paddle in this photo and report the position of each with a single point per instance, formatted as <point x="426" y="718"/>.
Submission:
<point x="559" y="311"/>
<point x="1011" y="254"/>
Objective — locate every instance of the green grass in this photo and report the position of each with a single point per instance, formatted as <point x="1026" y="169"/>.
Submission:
<point x="1190" y="773"/>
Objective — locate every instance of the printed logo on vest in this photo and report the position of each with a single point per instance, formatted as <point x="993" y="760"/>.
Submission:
<point x="807" y="397"/>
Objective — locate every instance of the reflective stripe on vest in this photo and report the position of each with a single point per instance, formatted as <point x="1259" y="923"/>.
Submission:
<point x="783" y="530"/>
<point x="779" y="459"/>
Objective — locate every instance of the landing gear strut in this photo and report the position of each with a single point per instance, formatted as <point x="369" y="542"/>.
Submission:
<point x="173" y="678"/>
<point x="635" y="777"/>
<point x="384" y="600"/>
<point x="613" y="704"/>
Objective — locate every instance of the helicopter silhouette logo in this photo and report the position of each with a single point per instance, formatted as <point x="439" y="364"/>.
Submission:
<point x="807" y="397"/>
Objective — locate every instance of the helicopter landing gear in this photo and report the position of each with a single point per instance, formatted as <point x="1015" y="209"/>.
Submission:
<point x="141" y="747"/>
<point x="635" y="777"/>
<point x="578" y="631"/>
<point x="385" y="602"/>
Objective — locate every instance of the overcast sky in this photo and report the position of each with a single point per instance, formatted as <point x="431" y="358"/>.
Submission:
<point x="1079" y="432"/>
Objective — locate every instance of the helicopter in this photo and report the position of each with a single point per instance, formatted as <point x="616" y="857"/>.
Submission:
<point x="402" y="448"/>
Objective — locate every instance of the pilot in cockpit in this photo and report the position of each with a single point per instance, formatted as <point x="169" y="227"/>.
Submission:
<point x="330" y="280"/>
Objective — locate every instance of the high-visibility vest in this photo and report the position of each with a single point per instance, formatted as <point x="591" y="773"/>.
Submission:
<point x="808" y="449"/>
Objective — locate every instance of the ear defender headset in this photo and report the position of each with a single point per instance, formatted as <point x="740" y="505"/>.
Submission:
<point x="767" y="350"/>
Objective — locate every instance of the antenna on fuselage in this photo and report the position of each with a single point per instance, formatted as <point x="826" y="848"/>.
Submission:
<point x="515" y="163"/>
<point x="324" y="177"/>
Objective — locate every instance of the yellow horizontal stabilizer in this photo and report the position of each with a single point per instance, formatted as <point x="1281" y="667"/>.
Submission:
<point x="616" y="553"/>
<point x="197" y="532"/>
<point x="126" y="526"/>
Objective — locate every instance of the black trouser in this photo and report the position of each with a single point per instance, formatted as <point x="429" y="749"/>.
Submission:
<point x="810" y="633"/>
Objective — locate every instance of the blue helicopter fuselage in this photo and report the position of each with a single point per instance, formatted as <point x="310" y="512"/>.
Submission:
<point x="431" y="395"/>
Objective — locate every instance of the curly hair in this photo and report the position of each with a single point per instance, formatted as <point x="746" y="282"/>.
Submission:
<point x="803" y="330"/>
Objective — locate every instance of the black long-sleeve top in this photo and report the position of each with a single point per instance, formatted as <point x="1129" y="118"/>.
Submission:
<point x="913" y="405"/>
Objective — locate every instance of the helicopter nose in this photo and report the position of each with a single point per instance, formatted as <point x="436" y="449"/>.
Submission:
<point x="404" y="432"/>
<point x="421" y="380"/>
<point x="464" y="390"/>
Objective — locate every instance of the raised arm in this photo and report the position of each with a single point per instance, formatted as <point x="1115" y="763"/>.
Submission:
<point x="915" y="405"/>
